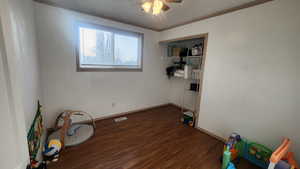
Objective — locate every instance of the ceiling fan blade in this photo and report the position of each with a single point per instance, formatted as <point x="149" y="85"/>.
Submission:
<point x="174" y="1"/>
<point x="165" y="7"/>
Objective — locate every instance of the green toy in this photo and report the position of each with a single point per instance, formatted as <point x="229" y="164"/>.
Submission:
<point x="238" y="147"/>
<point x="35" y="133"/>
<point x="226" y="158"/>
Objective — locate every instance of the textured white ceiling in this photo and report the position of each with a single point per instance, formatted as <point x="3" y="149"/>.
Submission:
<point x="129" y="11"/>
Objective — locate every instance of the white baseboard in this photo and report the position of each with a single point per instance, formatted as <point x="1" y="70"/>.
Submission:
<point x="212" y="134"/>
<point x="22" y="165"/>
<point x="129" y="112"/>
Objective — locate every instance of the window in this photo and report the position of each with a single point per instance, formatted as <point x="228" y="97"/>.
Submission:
<point x="106" y="48"/>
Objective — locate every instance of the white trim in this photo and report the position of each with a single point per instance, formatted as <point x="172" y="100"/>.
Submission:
<point x="211" y="134"/>
<point x="114" y="31"/>
<point x="22" y="165"/>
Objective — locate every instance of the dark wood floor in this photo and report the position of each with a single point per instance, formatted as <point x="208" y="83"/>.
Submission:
<point x="152" y="139"/>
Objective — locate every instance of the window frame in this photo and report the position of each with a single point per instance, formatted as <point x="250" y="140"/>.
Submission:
<point x="108" y="68"/>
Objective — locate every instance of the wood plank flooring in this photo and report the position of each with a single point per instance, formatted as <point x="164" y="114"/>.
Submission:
<point x="151" y="139"/>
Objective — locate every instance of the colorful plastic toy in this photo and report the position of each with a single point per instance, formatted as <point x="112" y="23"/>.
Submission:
<point x="233" y="145"/>
<point x="35" y="134"/>
<point x="231" y="166"/>
<point x="291" y="160"/>
<point x="73" y="128"/>
<point x="258" y="154"/>
<point x="52" y="150"/>
<point x="281" y="158"/>
<point x="226" y="158"/>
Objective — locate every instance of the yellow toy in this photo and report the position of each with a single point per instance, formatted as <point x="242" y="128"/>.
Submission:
<point x="52" y="149"/>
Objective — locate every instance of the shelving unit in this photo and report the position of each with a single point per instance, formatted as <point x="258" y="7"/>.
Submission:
<point x="175" y="51"/>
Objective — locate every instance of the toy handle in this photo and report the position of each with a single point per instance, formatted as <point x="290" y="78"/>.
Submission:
<point x="281" y="151"/>
<point x="291" y="160"/>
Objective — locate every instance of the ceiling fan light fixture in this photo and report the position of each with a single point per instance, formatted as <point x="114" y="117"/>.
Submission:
<point x="147" y="6"/>
<point x="157" y="7"/>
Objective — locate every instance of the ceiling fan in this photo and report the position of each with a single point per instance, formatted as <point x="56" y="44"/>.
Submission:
<point x="155" y="7"/>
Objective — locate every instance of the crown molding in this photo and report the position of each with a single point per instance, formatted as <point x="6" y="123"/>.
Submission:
<point x="219" y="13"/>
<point x="94" y="14"/>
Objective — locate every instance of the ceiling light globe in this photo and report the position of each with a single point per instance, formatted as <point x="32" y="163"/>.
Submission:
<point x="147" y="6"/>
<point x="157" y="7"/>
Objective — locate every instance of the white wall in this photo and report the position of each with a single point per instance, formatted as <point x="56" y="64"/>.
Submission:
<point x="64" y="88"/>
<point x="21" y="79"/>
<point x="251" y="78"/>
<point x="31" y="76"/>
<point x="22" y="17"/>
<point x="7" y="129"/>
<point x="180" y="95"/>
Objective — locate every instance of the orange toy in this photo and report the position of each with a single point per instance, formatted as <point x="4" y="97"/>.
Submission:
<point x="282" y="153"/>
<point x="291" y="160"/>
<point x="234" y="153"/>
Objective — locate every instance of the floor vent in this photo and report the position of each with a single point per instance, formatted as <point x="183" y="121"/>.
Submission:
<point x="119" y="119"/>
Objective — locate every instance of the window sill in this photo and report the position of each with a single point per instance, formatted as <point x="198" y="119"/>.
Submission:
<point x="110" y="69"/>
